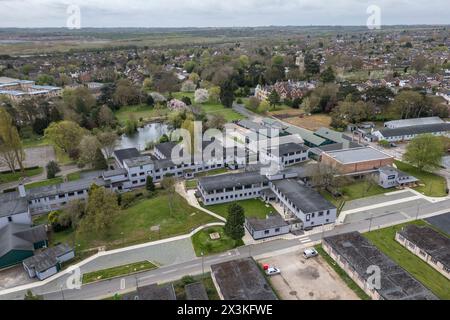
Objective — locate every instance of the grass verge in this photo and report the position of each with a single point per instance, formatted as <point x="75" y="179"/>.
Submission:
<point x="202" y="242"/>
<point x="118" y="271"/>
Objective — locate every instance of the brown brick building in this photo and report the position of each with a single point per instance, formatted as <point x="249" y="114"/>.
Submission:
<point x="357" y="160"/>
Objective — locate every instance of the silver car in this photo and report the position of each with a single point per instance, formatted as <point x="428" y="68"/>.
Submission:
<point x="310" y="253"/>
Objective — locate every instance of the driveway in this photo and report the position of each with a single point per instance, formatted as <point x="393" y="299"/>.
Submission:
<point x="13" y="277"/>
<point x="311" y="279"/>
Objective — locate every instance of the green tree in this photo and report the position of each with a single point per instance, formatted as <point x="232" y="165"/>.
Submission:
<point x="88" y="150"/>
<point x="101" y="210"/>
<point x="425" y="152"/>
<point x="149" y="185"/>
<point x="234" y="228"/>
<point x="52" y="169"/>
<point x="11" y="150"/>
<point x="328" y="75"/>
<point x="99" y="161"/>
<point x="65" y="135"/>
<point x="274" y="98"/>
<point x="227" y="93"/>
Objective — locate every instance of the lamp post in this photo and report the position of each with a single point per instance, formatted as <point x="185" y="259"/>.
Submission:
<point x="203" y="264"/>
<point x="62" y="293"/>
<point x="418" y="211"/>
<point x="370" y="225"/>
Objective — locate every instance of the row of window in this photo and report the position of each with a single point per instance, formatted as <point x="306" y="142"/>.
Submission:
<point x="237" y="196"/>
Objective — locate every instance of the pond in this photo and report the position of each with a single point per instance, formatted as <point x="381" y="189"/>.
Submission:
<point x="149" y="133"/>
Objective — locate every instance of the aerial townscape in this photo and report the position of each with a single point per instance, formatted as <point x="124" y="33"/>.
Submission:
<point x="224" y="163"/>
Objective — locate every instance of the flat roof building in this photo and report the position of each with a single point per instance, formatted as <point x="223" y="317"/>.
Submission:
<point x="429" y="245"/>
<point x="357" y="255"/>
<point x="241" y="280"/>
<point x="357" y="160"/>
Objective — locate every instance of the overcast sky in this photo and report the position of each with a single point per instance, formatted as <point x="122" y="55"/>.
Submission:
<point x="219" y="13"/>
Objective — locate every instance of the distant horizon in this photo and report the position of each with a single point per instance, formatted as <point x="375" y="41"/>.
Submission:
<point x="32" y="14"/>
<point x="236" y="27"/>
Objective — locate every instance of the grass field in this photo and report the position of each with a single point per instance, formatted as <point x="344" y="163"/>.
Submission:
<point x="342" y="274"/>
<point x="253" y="208"/>
<point x="44" y="183"/>
<point x="384" y="240"/>
<point x="11" y="177"/>
<point x="361" y="189"/>
<point x="432" y="185"/>
<point x="203" y="243"/>
<point x="134" y="225"/>
<point x="143" y="112"/>
<point x="313" y="122"/>
<point x="211" y="108"/>
<point x="118" y="271"/>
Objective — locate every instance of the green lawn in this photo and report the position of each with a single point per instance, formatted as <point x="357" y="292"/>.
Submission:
<point x="74" y="176"/>
<point x="384" y="240"/>
<point x="143" y="112"/>
<point x="342" y="274"/>
<point x="361" y="189"/>
<point x="35" y="142"/>
<point x="211" y="108"/>
<point x="118" y="271"/>
<point x="191" y="184"/>
<point x="254" y="208"/>
<point x="432" y="185"/>
<point x="11" y="177"/>
<point x="134" y="224"/>
<point x="44" y="183"/>
<point x="203" y="243"/>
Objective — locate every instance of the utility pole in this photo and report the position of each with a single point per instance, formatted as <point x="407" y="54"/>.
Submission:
<point x="418" y="211"/>
<point x="62" y="293"/>
<point x="203" y="264"/>
<point x="370" y="225"/>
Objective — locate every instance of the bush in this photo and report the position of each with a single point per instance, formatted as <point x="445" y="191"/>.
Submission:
<point x="52" y="169"/>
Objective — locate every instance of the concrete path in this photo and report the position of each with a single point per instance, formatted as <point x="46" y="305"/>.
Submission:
<point x="190" y="197"/>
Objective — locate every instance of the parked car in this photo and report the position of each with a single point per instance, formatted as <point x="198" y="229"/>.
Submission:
<point x="310" y="253"/>
<point x="273" y="271"/>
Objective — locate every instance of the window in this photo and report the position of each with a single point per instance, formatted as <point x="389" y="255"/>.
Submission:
<point x="9" y="219"/>
<point x="277" y="230"/>
<point x="321" y="214"/>
<point x="266" y="232"/>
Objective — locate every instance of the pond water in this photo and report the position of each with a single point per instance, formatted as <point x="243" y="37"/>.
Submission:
<point x="149" y="133"/>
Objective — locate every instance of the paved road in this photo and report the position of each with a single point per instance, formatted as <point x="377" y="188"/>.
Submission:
<point x="194" y="266"/>
<point x="241" y="109"/>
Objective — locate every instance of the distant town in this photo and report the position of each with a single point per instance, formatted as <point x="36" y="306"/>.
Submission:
<point x="322" y="171"/>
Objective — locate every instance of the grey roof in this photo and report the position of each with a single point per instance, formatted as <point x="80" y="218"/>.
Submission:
<point x="164" y="163"/>
<point x="152" y="292"/>
<point x="306" y="135"/>
<point x="441" y="222"/>
<point x="166" y="148"/>
<point x="196" y="291"/>
<point x="414" y="122"/>
<point x="360" y="254"/>
<point x="356" y="155"/>
<point x="304" y="198"/>
<point x="138" y="161"/>
<point x="432" y="242"/>
<point x="73" y="186"/>
<point x="113" y="173"/>
<point x="242" y="280"/>
<point x="124" y="154"/>
<point x="251" y="125"/>
<point x="271" y="222"/>
<point x="20" y="237"/>
<point x="11" y="204"/>
<point x="287" y="148"/>
<point x="231" y="180"/>
<point x="337" y="137"/>
<point x="48" y="258"/>
<point x="415" y="130"/>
